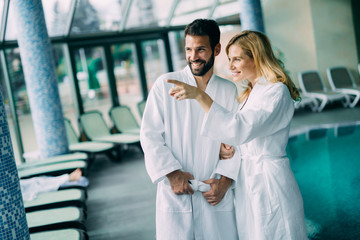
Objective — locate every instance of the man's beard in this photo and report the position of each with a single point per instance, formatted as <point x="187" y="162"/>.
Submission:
<point x="207" y="65"/>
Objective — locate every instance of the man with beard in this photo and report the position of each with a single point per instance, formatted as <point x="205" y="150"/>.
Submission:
<point x="194" y="198"/>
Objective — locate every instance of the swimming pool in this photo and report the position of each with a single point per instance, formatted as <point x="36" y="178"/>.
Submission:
<point x="326" y="164"/>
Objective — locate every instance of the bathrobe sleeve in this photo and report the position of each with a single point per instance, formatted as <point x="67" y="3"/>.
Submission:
<point x="230" y="167"/>
<point x="159" y="160"/>
<point x="266" y="113"/>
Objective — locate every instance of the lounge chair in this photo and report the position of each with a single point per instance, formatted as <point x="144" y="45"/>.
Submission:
<point x="61" y="234"/>
<point x="91" y="148"/>
<point x="307" y="101"/>
<point x="54" y="169"/>
<point x="52" y="160"/>
<point x="96" y="129"/>
<point x="342" y="81"/>
<point x="55" y="219"/>
<point x="141" y="107"/>
<point x="312" y="86"/>
<point x="124" y="120"/>
<point x="56" y="199"/>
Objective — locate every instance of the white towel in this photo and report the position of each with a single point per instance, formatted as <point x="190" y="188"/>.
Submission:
<point x="199" y="186"/>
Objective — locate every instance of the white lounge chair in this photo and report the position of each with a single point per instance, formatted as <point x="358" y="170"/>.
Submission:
<point x="307" y="101"/>
<point x="313" y="86"/>
<point x="341" y="80"/>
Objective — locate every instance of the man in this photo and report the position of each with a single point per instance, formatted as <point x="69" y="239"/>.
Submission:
<point x="179" y="159"/>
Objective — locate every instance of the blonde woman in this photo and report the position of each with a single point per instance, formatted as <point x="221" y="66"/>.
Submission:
<point x="269" y="204"/>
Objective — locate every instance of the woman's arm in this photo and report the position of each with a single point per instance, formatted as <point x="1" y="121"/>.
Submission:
<point x="185" y="91"/>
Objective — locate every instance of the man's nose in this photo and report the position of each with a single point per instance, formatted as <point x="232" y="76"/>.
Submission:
<point x="194" y="55"/>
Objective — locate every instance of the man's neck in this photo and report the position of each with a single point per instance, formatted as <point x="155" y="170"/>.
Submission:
<point x="202" y="81"/>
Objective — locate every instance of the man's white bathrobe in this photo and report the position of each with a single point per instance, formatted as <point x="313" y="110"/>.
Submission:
<point x="268" y="201"/>
<point x="171" y="140"/>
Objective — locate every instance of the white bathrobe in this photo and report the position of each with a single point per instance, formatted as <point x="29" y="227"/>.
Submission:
<point x="170" y="138"/>
<point x="268" y="202"/>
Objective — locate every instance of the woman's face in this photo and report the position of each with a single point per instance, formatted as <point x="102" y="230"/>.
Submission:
<point x="241" y="65"/>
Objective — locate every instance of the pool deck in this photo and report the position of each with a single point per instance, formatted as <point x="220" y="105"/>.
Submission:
<point x="121" y="202"/>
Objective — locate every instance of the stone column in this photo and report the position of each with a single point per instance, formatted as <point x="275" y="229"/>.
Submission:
<point x="40" y="78"/>
<point x="13" y="224"/>
<point x="251" y="16"/>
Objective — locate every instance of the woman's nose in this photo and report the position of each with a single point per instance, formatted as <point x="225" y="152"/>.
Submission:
<point x="231" y="66"/>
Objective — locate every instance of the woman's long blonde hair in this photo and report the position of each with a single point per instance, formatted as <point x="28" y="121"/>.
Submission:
<point x="257" y="46"/>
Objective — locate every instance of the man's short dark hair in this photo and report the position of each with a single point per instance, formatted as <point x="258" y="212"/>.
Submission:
<point x="204" y="27"/>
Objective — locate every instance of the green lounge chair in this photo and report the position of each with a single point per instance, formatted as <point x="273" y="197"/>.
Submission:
<point x="91" y="148"/>
<point x="56" y="159"/>
<point x="124" y="120"/>
<point x="54" y="169"/>
<point x="61" y="234"/>
<point x="56" y="199"/>
<point x="57" y="218"/>
<point x="141" y="107"/>
<point x="96" y="129"/>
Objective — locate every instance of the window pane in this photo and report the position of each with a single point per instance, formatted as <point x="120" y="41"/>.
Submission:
<point x="145" y="13"/>
<point x="64" y="84"/>
<point x="9" y="118"/>
<point x="189" y="17"/>
<point x="97" y="16"/>
<point x="177" y="43"/>
<point x="227" y="8"/>
<point x="126" y="74"/>
<point x="57" y="14"/>
<point x="92" y="79"/>
<point x="189" y="10"/>
<point x="1" y="11"/>
<point x="155" y="60"/>
<point x="21" y="100"/>
<point x="186" y="6"/>
<point x="11" y="33"/>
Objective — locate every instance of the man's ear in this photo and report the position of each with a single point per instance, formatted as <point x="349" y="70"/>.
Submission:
<point x="217" y="49"/>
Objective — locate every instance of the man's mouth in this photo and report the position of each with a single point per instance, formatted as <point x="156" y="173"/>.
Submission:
<point x="197" y="64"/>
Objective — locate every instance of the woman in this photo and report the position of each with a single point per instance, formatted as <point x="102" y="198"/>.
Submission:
<point x="268" y="201"/>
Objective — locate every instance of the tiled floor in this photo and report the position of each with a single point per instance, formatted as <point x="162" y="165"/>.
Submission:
<point x="121" y="202"/>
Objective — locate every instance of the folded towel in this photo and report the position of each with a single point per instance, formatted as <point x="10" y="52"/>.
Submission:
<point x="199" y="186"/>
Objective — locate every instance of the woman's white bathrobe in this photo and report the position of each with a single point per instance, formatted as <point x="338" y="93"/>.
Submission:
<point x="171" y="140"/>
<point x="268" y="202"/>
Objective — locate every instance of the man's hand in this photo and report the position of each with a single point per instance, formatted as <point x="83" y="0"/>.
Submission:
<point x="226" y="151"/>
<point x="218" y="189"/>
<point x="179" y="182"/>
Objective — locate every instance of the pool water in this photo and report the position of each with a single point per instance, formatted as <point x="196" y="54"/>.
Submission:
<point x="326" y="165"/>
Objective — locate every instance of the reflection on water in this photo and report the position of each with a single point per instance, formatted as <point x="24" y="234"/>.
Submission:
<point x="326" y="164"/>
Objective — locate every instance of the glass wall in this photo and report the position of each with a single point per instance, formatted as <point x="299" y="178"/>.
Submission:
<point x="126" y="75"/>
<point x="5" y="96"/>
<point x="154" y="60"/>
<point x="65" y="85"/>
<point x="92" y="79"/>
<point x="21" y="99"/>
<point x="177" y="46"/>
